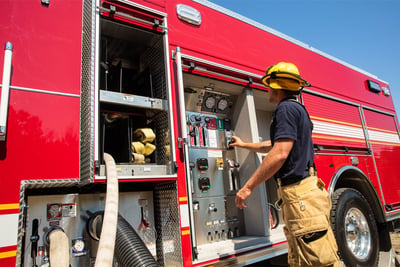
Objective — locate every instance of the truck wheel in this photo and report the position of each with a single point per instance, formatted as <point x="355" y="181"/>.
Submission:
<point x="355" y="228"/>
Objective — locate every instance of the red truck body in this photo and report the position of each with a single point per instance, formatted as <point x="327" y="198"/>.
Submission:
<point x="61" y="98"/>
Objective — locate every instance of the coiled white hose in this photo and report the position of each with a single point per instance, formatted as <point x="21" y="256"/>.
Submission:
<point x="105" y="252"/>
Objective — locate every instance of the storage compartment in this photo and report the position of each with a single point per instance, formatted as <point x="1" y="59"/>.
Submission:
<point x="134" y="115"/>
<point x="218" y="171"/>
<point x="150" y="212"/>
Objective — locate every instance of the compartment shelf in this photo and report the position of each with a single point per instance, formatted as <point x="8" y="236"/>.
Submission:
<point x="133" y="100"/>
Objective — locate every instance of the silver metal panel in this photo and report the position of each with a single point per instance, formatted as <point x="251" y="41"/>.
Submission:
<point x="210" y="220"/>
<point x="132" y="100"/>
<point x="215" y="176"/>
<point x="87" y="92"/>
<point x="149" y="170"/>
<point x="73" y="221"/>
<point x="166" y="212"/>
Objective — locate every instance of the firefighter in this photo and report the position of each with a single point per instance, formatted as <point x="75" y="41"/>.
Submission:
<point x="304" y="202"/>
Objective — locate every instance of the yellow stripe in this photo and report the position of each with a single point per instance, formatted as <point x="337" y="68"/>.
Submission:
<point x="384" y="143"/>
<point x="382" y="130"/>
<point x="336" y="121"/>
<point x="8" y="254"/>
<point x="11" y="206"/>
<point x="185" y="232"/>
<point x="338" y="138"/>
<point x="182" y="199"/>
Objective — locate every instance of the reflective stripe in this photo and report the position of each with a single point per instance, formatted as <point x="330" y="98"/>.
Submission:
<point x="9" y="230"/>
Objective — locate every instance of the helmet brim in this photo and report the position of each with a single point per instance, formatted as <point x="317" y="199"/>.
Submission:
<point x="284" y="75"/>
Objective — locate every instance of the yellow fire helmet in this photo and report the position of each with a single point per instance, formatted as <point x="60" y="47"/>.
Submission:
<point x="284" y="75"/>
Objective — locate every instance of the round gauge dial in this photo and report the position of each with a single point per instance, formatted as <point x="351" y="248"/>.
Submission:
<point x="210" y="102"/>
<point x="222" y="104"/>
<point x="79" y="245"/>
<point x="53" y="211"/>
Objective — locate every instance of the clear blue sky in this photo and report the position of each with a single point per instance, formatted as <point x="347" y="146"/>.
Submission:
<point x="363" y="33"/>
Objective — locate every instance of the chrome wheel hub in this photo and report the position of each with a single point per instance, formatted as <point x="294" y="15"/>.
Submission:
<point x="357" y="233"/>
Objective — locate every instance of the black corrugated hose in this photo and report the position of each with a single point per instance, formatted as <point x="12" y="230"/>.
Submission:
<point x="130" y="250"/>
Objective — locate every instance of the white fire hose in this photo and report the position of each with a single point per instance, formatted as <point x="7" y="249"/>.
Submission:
<point x="59" y="248"/>
<point x="105" y="252"/>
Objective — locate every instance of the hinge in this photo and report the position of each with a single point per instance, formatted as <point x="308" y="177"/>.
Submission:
<point x="182" y="141"/>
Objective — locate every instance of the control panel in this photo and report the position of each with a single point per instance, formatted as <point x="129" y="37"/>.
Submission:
<point x="214" y="177"/>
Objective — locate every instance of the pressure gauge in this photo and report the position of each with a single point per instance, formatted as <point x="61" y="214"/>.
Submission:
<point x="210" y="102"/>
<point x="222" y="104"/>
<point x="54" y="211"/>
<point x="78" y="245"/>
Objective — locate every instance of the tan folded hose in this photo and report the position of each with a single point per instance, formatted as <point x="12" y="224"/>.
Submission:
<point x="145" y="135"/>
<point x="105" y="252"/>
<point x="59" y="248"/>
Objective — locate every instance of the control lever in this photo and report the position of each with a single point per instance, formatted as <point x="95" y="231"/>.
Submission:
<point x="34" y="240"/>
<point x="233" y="175"/>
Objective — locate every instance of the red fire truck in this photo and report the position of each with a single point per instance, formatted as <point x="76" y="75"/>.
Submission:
<point x="161" y="86"/>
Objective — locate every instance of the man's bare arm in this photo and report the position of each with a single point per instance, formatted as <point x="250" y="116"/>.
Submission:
<point x="269" y="166"/>
<point x="262" y="147"/>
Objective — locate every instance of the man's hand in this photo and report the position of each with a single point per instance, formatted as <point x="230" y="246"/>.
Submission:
<point x="241" y="196"/>
<point x="236" y="141"/>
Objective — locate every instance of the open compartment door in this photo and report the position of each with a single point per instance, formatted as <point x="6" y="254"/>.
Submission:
<point x="217" y="102"/>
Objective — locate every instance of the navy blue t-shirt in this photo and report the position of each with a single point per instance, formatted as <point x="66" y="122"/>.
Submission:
<point x="291" y="120"/>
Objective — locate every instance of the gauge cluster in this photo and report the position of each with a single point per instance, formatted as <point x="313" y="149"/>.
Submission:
<point x="216" y="102"/>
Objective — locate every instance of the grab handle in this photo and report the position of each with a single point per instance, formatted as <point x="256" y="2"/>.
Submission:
<point x="5" y="90"/>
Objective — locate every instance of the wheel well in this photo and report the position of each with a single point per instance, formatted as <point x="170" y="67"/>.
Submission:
<point x="356" y="179"/>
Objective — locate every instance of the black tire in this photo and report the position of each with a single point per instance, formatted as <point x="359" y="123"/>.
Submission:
<point x="355" y="228"/>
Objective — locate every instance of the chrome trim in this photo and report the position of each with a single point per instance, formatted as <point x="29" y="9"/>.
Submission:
<point x="342" y="154"/>
<point x="130" y="3"/>
<point x="255" y="256"/>
<point x="95" y="73"/>
<point x="169" y="91"/>
<point x="364" y="177"/>
<point x="282" y="35"/>
<point x="5" y="92"/>
<point x="222" y="75"/>
<point x="221" y="66"/>
<point x="365" y="129"/>
<point x="181" y="99"/>
<point x="393" y="215"/>
<point x="42" y="91"/>
<point x="379" y="179"/>
<point x="339" y="172"/>
<point x="122" y="14"/>
<point x="379" y="111"/>
<point x="330" y="97"/>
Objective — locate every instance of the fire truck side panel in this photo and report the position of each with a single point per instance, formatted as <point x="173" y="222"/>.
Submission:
<point x="385" y="143"/>
<point x="38" y="145"/>
<point x="237" y="44"/>
<point x="46" y="44"/>
<point x="42" y="139"/>
<point x="335" y="123"/>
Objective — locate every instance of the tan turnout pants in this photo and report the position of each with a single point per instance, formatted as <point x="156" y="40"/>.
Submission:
<point x="306" y="209"/>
